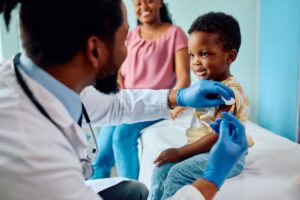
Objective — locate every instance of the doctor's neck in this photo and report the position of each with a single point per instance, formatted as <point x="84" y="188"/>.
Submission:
<point x="75" y="74"/>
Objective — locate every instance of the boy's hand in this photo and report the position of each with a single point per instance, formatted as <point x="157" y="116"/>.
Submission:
<point x="167" y="156"/>
<point x="177" y="111"/>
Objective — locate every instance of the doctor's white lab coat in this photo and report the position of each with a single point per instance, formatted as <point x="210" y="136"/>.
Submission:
<point x="36" y="160"/>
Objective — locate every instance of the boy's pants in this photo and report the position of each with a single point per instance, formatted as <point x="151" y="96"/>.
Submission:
<point x="170" y="177"/>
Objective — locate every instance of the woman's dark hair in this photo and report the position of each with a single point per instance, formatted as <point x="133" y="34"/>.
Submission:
<point x="53" y="31"/>
<point x="224" y="25"/>
<point x="164" y="13"/>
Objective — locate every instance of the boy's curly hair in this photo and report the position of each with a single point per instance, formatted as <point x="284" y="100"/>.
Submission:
<point x="226" y="26"/>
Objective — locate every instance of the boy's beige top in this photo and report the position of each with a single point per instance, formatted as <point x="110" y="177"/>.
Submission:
<point x="203" y="117"/>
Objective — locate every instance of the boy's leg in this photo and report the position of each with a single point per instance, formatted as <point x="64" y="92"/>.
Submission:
<point x="125" y="148"/>
<point x="126" y="190"/>
<point x="105" y="159"/>
<point x="157" y="181"/>
<point x="188" y="171"/>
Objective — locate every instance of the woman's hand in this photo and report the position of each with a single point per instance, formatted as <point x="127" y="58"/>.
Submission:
<point x="167" y="156"/>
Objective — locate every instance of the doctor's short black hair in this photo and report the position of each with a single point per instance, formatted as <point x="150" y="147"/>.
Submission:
<point x="54" y="31"/>
<point x="224" y="25"/>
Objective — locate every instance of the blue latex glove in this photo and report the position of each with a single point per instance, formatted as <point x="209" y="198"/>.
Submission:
<point x="216" y="125"/>
<point x="229" y="148"/>
<point x="203" y="93"/>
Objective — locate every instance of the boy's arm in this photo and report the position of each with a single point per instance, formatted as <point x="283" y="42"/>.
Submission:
<point x="202" y="145"/>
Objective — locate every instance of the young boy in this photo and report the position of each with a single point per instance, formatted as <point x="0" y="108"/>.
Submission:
<point x="213" y="45"/>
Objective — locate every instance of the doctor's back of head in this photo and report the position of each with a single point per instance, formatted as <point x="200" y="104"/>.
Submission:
<point x="55" y="31"/>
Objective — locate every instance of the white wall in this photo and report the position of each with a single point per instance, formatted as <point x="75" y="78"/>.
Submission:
<point x="9" y="40"/>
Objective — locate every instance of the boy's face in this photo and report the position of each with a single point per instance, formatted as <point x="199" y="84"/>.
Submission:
<point x="208" y="59"/>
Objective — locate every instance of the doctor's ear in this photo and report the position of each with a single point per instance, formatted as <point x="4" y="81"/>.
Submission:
<point x="231" y="56"/>
<point x="95" y="53"/>
<point x="94" y="50"/>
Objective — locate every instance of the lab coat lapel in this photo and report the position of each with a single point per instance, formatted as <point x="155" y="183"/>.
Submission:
<point x="59" y="114"/>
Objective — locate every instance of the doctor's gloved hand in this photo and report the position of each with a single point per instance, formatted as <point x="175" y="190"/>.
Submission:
<point x="229" y="148"/>
<point x="204" y="93"/>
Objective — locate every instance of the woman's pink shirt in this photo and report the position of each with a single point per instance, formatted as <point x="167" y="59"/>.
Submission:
<point x="150" y="64"/>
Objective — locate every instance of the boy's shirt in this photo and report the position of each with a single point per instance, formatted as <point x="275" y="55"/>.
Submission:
<point x="203" y="117"/>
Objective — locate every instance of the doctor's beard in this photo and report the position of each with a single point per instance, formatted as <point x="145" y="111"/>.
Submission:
<point x="107" y="79"/>
<point x="108" y="84"/>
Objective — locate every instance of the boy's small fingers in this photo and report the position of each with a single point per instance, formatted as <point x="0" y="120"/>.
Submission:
<point x="157" y="159"/>
<point x="159" y="163"/>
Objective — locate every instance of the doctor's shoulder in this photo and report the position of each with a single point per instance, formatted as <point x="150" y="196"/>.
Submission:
<point x="9" y="94"/>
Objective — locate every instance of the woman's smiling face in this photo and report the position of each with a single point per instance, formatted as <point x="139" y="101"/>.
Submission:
<point x="147" y="11"/>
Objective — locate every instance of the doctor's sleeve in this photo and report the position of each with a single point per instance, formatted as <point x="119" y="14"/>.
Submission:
<point x="127" y="106"/>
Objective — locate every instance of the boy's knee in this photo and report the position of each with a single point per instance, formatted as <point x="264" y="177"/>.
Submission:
<point x="160" y="173"/>
<point x="176" y="171"/>
<point x="178" y="174"/>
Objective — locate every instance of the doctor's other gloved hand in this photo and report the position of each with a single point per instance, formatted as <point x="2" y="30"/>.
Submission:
<point x="204" y="93"/>
<point x="231" y="145"/>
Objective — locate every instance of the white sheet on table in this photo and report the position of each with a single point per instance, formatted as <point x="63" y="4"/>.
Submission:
<point x="271" y="165"/>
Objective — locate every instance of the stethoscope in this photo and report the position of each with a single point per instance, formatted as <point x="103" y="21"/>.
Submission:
<point x="87" y="168"/>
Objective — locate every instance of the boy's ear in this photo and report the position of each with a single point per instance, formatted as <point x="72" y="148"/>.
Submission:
<point x="231" y="56"/>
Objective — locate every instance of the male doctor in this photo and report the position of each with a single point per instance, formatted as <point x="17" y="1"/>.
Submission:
<point x="69" y="45"/>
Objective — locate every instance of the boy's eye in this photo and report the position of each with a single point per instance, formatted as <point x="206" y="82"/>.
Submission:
<point x="204" y="54"/>
<point x="191" y="55"/>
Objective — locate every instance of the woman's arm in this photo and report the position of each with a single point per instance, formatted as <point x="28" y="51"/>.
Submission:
<point x="182" y="69"/>
<point x="183" y="79"/>
<point x="121" y="80"/>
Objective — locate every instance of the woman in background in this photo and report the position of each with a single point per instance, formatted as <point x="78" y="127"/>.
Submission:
<point x="157" y="59"/>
